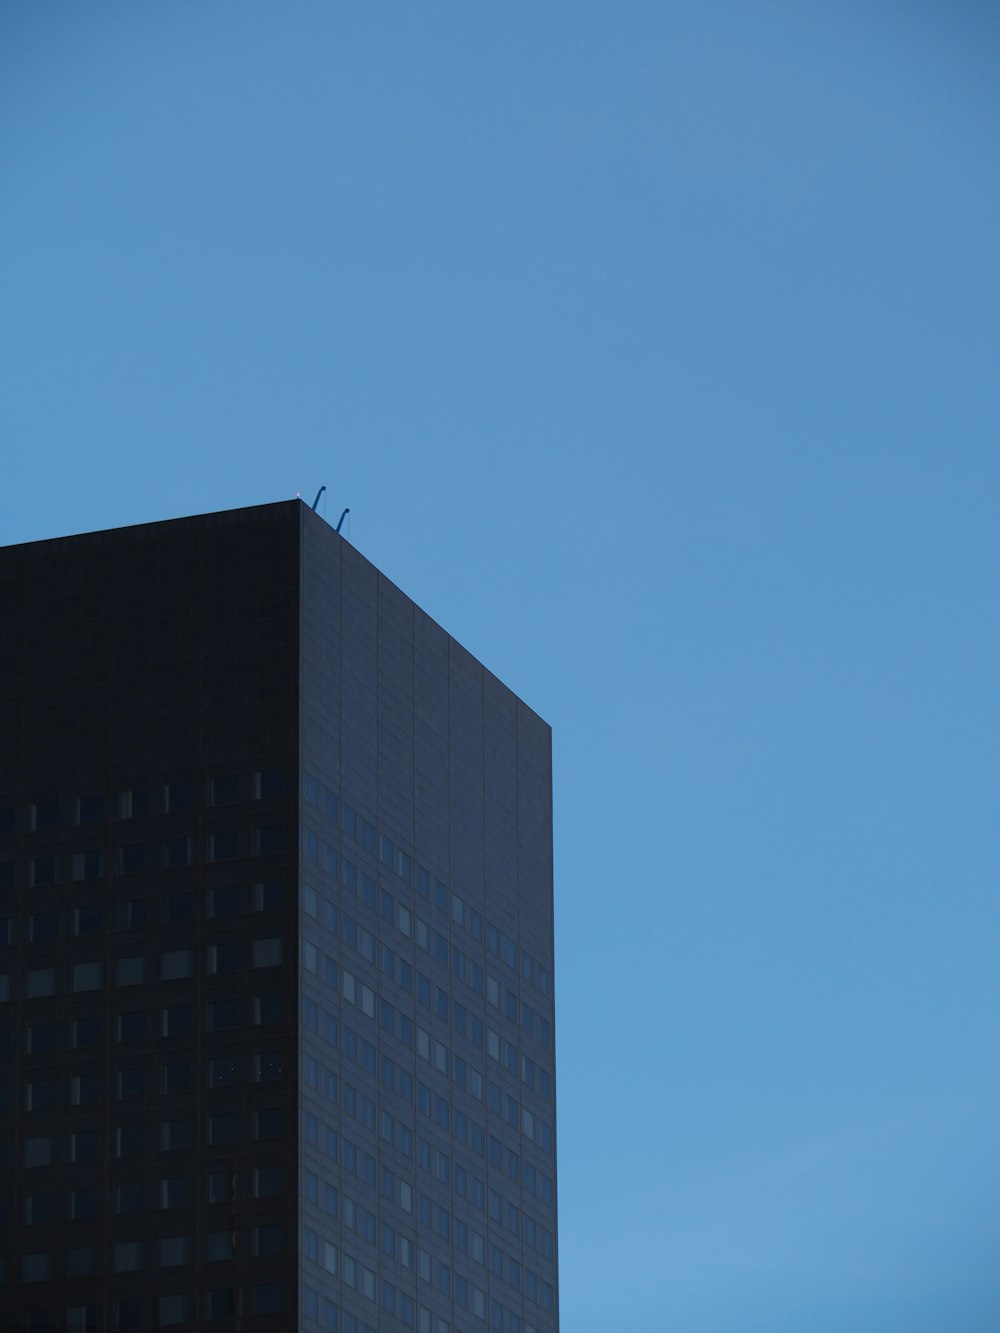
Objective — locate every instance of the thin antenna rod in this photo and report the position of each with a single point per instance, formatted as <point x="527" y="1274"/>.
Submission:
<point x="318" y="494"/>
<point x="342" y="517"/>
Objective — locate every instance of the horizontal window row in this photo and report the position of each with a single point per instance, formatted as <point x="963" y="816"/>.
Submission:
<point x="134" y="1140"/>
<point x="531" y="1126"/>
<point x="172" y="1020"/>
<point x="533" y="1076"/>
<point x="129" y="1197"/>
<point x="462" y="966"/>
<point x="505" y="949"/>
<point x="358" y="1050"/>
<point x="430" y="1268"/>
<point x="139" y="857"/>
<point x="177" y="1020"/>
<point x="170" y="965"/>
<point x="43" y="927"/>
<point x="134" y="802"/>
<point x="130" y="1084"/>
<point x="434" y="997"/>
<point x="402" y="863"/>
<point x="434" y="1216"/>
<point x="138" y="1312"/>
<point x="321" y="1312"/>
<point x="504" y="999"/>
<point x="356" y="1161"/>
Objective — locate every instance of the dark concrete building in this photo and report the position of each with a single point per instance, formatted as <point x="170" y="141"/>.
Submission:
<point x="276" y="1011"/>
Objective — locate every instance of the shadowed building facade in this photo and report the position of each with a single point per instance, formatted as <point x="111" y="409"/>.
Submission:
<point x="276" y="1014"/>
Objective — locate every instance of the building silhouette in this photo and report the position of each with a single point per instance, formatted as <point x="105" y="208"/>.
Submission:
<point x="276" y="1010"/>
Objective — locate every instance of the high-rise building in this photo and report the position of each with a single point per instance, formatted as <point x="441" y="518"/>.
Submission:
<point x="276" y="1010"/>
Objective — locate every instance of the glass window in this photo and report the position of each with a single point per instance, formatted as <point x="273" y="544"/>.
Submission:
<point x="41" y="981"/>
<point x="129" y="1140"/>
<point x="174" y="1250"/>
<point x="268" y="1240"/>
<point x="128" y="1313"/>
<point x="131" y="1026"/>
<point x="38" y="1152"/>
<point x="131" y="914"/>
<point x="173" y="1309"/>
<point x="226" y="790"/>
<point x="220" y="1245"/>
<point x="126" y="1256"/>
<point x="268" y="783"/>
<point x="179" y="796"/>
<point x="223" y="1072"/>
<point x="82" y="1319"/>
<point x="88" y="864"/>
<point x="224" y="902"/>
<point x="178" y="907"/>
<point x="84" y="1089"/>
<point x="223" y="846"/>
<point x="83" y="1146"/>
<point x="45" y="815"/>
<point x="222" y="1014"/>
<point x="88" y="920"/>
<point x="128" y="1197"/>
<point x="81" y="1261"/>
<point x="268" y="896"/>
<point x="267" y="1181"/>
<point x="90" y="809"/>
<point x="177" y="1020"/>
<point x="175" y="1134"/>
<point x="83" y="1204"/>
<point x="136" y="803"/>
<point x="330" y="806"/>
<point x="221" y="958"/>
<point x="269" y="840"/>
<point x="36" y="1267"/>
<point x="268" y="1009"/>
<point x="267" y="1298"/>
<point x="38" y="1209"/>
<point x="267" y="1066"/>
<point x="42" y="1038"/>
<point x="221" y="1129"/>
<point x="221" y="1303"/>
<point x="174" y="1192"/>
<point x="176" y="964"/>
<point x="267" y="1123"/>
<point x="177" y="1077"/>
<point x="42" y="927"/>
<point x="86" y="976"/>
<point x="220" y="1186"/>
<point x="176" y="853"/>
<point x="267" y="953"/>
<point x="130" y="971"/>
<point x="39" y="1096"/>
<point x="132" y="858"/>
<point x="130" y="1084"/>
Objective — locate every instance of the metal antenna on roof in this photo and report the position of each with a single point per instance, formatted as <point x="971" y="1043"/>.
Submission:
<point x="342" y="517"/>
<point x="318" y="494"/>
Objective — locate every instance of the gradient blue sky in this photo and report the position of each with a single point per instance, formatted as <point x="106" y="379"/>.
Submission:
<point x="655" y="350"/>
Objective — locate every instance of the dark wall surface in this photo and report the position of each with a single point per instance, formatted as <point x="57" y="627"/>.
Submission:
<point x="148" y="768"/>
<point x="428" y="1199"/>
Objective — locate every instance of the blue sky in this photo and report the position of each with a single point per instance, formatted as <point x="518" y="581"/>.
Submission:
<point x="654" y="348"/>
